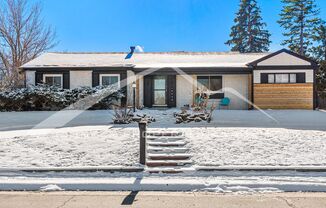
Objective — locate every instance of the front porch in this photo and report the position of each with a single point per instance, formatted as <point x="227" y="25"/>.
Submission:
<point x="173" y="90"/>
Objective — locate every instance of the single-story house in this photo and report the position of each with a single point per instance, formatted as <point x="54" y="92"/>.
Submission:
<point x="279" y="80"/>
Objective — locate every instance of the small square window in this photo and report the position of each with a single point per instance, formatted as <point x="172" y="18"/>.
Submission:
<point x="271" y="78"/>
<point x="282" y="78"/>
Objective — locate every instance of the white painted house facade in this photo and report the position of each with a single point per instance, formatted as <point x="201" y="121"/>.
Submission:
<point x="280" y="80"/>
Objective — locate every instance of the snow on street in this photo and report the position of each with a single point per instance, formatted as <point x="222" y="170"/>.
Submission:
<point x="223" y="182"/>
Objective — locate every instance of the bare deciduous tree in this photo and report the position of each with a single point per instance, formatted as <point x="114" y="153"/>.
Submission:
<point x="23" y="36"/>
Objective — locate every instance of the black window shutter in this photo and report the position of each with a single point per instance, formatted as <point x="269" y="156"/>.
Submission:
<point x="66" y="80"/>
<point x="95" y="79"/>
<point x="148" y="91"/>
<point x="301" y="77"/>
<point x="171" y="91"/>
<point x="38" y="78"/>
<point x="263" y="78"/>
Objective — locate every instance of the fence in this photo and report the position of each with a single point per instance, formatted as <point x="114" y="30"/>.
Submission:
<point x="322" y="102"/>
<point x="321" y="99"/>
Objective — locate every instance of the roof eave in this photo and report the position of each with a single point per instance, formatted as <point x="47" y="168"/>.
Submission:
<point x="311" y="61"/>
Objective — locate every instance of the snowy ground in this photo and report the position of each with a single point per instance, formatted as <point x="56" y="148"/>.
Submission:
<point x="225" y="182"/>
<point x="69" y="147"/>
<point x="256" y="146"/>
<point x="242" y="138"/>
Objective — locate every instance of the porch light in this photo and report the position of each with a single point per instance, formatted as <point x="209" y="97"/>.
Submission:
<point x="134" y="96"/>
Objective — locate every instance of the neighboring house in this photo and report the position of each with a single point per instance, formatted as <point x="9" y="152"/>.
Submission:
<point x="280" y="80"/>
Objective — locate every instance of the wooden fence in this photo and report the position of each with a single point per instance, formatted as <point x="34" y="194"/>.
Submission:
<point x="322" y="102"/>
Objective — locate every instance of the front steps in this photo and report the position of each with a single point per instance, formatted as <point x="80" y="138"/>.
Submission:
<point x="166" y="153"/>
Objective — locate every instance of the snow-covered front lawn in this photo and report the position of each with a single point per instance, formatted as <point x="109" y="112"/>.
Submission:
<point x="256" y="146"/>
<point x="239" y="138"/>
<point x="114" y="146"/>
<point x="69" y="147"/>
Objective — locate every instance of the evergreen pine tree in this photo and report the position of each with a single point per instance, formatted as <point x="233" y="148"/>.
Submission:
<point x="318" y="51"/>
<point x="299" y="18"/>
<point x="249" y="33"/>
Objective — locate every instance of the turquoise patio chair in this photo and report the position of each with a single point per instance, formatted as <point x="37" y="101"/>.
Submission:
<point x="225" y="102"/>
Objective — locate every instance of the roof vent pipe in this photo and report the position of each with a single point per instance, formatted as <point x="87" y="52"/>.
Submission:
<point x="132" y="50"/>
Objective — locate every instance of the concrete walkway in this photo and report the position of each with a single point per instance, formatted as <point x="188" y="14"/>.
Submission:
<point x="159" y="199"/>
<point x="291" y="119"/>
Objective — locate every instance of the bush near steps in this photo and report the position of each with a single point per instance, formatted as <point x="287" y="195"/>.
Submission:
<point x="50" y="98"/>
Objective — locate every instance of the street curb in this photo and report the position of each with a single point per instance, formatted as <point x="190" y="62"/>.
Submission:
<point x="160" y="184"/>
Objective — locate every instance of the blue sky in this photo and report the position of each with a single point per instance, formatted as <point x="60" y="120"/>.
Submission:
<point x="157" y="25"/>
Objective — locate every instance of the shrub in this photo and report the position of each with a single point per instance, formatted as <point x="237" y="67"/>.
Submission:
<point x="51" y="98"/>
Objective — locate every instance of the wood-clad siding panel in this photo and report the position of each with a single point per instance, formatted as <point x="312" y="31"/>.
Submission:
<point x="284" y="96"/>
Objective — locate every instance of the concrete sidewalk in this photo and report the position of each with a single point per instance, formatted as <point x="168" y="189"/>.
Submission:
<point x="291" y="119"/>
<point x="159" y="199"/>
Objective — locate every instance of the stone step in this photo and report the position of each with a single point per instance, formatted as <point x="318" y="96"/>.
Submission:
<point x="160" y="163"/>
<point x="170" y="169"/>
<point x="166" y="144"/>
<point x="164" y="139"/>
<point x="154" y="149"/>
<point x="169" y="156"/>
<point x="164" y="134"/>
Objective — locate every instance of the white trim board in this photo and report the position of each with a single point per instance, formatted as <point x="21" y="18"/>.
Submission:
<point x="54" y="75"/>
<point x="109" y="75"/>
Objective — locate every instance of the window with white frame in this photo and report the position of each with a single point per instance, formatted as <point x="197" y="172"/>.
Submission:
<point x="53" y="80"/>
<point x="110" y="79"/>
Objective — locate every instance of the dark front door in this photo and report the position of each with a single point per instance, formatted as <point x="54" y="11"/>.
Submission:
<point x="160" y="90"/>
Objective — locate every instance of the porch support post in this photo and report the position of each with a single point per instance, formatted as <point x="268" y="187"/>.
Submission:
<point x="142" y="149"/>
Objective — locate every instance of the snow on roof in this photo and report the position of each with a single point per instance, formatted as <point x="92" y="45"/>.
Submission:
<point x="144" y="60"/>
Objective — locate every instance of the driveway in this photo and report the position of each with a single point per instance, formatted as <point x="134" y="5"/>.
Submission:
<point x="291" y="119"/>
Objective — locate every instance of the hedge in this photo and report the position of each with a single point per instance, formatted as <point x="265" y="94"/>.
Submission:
<point x="50" y="98"/>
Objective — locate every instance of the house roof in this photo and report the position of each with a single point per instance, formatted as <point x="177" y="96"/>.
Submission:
<point x="144" y="60"/>
<point x="311" y="61"/>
